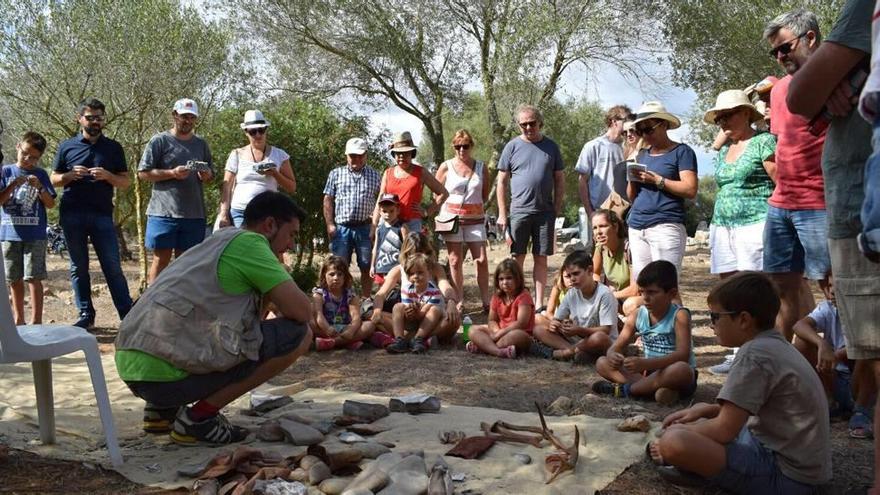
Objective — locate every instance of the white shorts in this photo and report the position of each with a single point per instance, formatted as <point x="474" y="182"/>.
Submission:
<point x="735" y="249"/>
<point x="665" y="241"/>
<point x="475" y="232"/>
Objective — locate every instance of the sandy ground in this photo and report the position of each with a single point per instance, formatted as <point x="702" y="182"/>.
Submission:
<point x="454" y="375"/>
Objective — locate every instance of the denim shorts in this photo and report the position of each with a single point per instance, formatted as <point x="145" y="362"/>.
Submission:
<point x="280" y="337"/>
<point x="796" y="241"/>
<point x="25" y="260"/>
<point x="751" y="468"/>
<point x="350" y="240"/>
<point x="536" y="228"/>
<point x="174" y="233"/>
<point x="237" y="217"/>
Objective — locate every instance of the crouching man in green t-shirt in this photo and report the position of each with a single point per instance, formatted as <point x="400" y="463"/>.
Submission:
<point x="194" y="341"/>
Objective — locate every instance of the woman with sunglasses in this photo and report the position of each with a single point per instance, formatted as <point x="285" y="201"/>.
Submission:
<point x="407" y="180"/>
<point x="253" y="169"/>
<point x="744" y="171"/>
<point x="656" y="219"/>
<point x="467" y="181"/>
<point x="632" y="143"/>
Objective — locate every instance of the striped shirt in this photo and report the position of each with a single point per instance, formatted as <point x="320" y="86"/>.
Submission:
<point x="354" y="193"/>
<point x="431" y="295"/>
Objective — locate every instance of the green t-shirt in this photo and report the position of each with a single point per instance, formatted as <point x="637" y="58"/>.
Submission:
<point x="744" y="185"/>
<point x="616" y="268"/>
<point x="246" y="265"/>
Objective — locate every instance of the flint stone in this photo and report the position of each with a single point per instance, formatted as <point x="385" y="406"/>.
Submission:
<point x="365" y="410"/>
<point x="523" y="458"/>
<point x="280" y="487"/>
<point x="299" y="474"/>
<point x="270" y="431"/>
<point x="371" y="450"/>
<point x="367" y="482"/>
<point x="635" y="423"/>
<point x="308" y="461"/>
<point x="415" y="404"/>
<point x="300" y="434"/>
<point x="408" y="477"/>
<point x="349" y="437"/>
<point x="318" y="472"/>
<point x="366" y="430"/>
<point x="333" y="486"/>
<point x="560" y="406"/>
<point x="324" y="425"/>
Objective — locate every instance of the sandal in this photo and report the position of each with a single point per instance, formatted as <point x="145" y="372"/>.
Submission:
<point x="508" y="352"/>
<point x="471" y="347"/>
<point x="860" y="426"/>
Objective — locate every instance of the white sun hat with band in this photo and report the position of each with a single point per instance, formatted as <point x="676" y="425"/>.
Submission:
<point x="253" y="119"/>
<point x="655" y="110"/>
<point x="729" y="100"/>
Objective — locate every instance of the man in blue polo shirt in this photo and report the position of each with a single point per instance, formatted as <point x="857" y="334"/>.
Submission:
<point x="88" y="166"/>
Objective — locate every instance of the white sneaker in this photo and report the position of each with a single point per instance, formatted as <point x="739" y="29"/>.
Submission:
<point x="722" y="368"/>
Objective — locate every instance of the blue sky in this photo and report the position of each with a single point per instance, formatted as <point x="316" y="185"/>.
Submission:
<point x="608" y="87"/>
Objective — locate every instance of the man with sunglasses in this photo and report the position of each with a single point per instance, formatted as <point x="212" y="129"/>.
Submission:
<point x="795" y="232"/>
<point x="530" y="168"/>
<point x="829" y="84"/>
<point x="89" y="166"/>
<point x="176" y="212"/>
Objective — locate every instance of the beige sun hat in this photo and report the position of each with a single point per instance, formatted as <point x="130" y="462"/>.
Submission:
<point x="656" y="110"/>
<point x="402" y="142"/>
<point x="728" y="100"/>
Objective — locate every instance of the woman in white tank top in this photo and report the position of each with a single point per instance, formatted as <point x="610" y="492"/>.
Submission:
<point x="467" y="181"/>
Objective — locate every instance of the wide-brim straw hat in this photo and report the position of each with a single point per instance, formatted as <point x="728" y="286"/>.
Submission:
<point x="655" y="110"/>
<point x="402" y="143"/>
<point x="729" y="100"/>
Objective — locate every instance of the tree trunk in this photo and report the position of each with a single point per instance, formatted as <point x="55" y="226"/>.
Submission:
<point x="437" y="140"/>
<point x="139" y="222"/>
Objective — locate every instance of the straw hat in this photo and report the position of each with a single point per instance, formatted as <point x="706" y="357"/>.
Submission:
<point x="656" y="110"/>
<point x="729" y="100"/>
<point x="402" y="142"/>
<point x="253" y="119"/>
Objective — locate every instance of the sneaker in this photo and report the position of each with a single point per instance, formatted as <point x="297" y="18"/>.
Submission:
<point x="381" y="340"/>
<point x="418" y="345"/>
<point x="86" y="320"/>
<point x="603" y="387"/>
<point x="666" y="396"/>
<point x="508" y="352"/>
<point x="541" y="350"/>
<point x="355" y="345"/>
<point x="724" y="367"/>
<point x="159" y="419"/>
<point x="398" y="346"/>
<point x="324" y="344"/>
<point x="216" y="430"/>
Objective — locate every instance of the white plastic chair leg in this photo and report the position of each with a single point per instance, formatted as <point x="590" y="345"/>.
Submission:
<point x="96" y="370"/>
<point x="45" y="400"/>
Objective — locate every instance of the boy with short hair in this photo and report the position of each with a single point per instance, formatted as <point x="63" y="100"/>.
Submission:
<point x="838" y="374"/>
<point x="586" y="320"/>
<point x="668" y="370"/>
<point x="421" y="307"/>
<point x="389" y="238"/>
<point x="25" y="193"/>
<point x="769" y="431"/>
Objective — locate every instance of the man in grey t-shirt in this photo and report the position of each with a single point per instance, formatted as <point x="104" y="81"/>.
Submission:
<point x="597" y="161"/>
<point x="531" y="169"/>
<point x="176" y="213"/>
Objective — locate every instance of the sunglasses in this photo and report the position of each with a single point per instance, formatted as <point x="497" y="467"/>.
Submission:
<point x="93" y="118"/>
<point x="723" y="116"/>
<point x="785" y="48"/>
<point x="256" y="130"/>
<point x="714" y="317"/>
<point x="645" y="131"/>
<point x="531" y="123"/>
<point x="459" y="147"/>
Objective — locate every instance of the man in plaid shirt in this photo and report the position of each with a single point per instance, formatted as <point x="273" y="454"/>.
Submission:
<point x="349" y="200"/>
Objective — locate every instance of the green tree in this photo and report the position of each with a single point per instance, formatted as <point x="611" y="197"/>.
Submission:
<point x="701" y="208"/>
<point x="137" y="56"/>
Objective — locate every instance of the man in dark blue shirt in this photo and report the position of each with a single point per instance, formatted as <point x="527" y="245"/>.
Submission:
<point x="88" y="166"/>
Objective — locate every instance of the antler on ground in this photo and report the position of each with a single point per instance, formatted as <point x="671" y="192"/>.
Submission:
<point x="502" y="434"/>
<point x="558" y="462"/>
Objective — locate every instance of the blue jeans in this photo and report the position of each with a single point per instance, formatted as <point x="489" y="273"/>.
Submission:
<point x="350" y="240"/>
<point x="869" y="239"/>
<point x="78" y="228"/>
<point x="797" y="241"/>
<point x="752" y="468"/>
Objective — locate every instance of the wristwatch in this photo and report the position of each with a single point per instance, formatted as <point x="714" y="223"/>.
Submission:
<point x="662" y="184"/>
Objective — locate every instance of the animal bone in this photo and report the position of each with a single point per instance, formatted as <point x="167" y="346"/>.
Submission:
<point x="564" y="460"/>
<point x="503" y="435"/>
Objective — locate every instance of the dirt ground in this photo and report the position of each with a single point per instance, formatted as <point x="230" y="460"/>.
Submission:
<point x="450" y="373"/>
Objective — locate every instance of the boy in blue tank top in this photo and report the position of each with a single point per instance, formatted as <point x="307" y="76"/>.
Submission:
<point x="667" y="371"/>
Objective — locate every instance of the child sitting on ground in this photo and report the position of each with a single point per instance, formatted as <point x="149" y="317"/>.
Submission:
<point x="389" y="236"/>
<point x="668" y="370"/>
<point x="511" y="316"/>
<point x="25" y="193"/>
<point x="828" y="354"/>
<point x="421" y="306"/>
<point x="557" y="292"/>
<point x="337" y="316"/>
<point x="585" y="322"/>
<point x="769" y="431"/>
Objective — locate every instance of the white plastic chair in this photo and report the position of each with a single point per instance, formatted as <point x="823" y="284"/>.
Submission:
<point x="38" y="344"/>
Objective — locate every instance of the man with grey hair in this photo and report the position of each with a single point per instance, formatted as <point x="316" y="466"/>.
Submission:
<point x="795" y="233"/>
<point x="530" y="167"/>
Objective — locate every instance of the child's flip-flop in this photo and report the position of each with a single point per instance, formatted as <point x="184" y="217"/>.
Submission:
<point x="860" y="426"/>
<point x="657" y="461"/>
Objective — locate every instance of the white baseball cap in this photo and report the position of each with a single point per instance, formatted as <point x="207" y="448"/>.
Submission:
<point x="355" y="146"/>
<point x="186" y="105"/>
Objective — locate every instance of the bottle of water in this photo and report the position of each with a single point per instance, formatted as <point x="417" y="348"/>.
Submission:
<point x="465" y="328"/>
